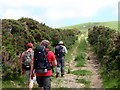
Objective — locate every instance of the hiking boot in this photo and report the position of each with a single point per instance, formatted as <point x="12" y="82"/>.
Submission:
<point x="57" y="75"/>
<point x="62" y="75"/>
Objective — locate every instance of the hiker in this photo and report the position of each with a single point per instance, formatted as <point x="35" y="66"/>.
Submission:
<point x="25" y="63"/>
<point x="44" y="60"/>
<point x="60" y="51"/>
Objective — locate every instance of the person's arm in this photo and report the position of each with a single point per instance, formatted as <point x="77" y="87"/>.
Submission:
<point x="52" y="56"/>
<point x="54" y="63"/>
<point x="32" y="71"/>
<point x="21" y="62"/>
<point x="66" y="50"/>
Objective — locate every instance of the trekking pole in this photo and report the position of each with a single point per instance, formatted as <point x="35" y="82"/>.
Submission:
<point x="52" y="69"/>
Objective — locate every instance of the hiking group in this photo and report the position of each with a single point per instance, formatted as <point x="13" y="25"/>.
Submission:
<point x="37" y="64"/>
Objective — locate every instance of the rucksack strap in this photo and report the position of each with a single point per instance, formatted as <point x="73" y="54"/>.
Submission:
<point x="47" y="54"/>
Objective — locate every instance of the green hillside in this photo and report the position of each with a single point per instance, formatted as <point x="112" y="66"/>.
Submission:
<point x="85" y="26"/>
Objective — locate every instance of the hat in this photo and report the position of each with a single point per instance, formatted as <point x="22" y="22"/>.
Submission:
<point x="61" y="42"/>
<point x="30" y="45"/>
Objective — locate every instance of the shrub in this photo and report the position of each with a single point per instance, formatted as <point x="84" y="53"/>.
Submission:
<point x="105" y="42"/>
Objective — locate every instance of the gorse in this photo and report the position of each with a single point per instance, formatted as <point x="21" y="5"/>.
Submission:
<point x="106" y="43"/>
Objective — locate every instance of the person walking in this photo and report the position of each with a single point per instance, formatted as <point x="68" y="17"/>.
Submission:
<point x="60" y="51"/>
<point x="44" y="60"/>
<point x="25" y="64"/>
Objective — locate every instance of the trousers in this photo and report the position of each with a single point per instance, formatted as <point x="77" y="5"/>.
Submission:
<point x="60" y="65"/>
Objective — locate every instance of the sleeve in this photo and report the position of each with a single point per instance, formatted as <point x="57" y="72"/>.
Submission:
<point x="51" y="56"/>
<point x="65" y="49"/>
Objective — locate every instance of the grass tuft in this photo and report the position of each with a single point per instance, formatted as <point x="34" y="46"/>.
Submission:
<point x="81" y="72"/>
<point x="80" y="60"/>
<point x="86" y="82"/>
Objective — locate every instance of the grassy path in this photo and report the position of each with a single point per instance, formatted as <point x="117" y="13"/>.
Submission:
<point x="81" y="69"/>
<point x="76" y="78"/>
<point x="69" y="80"/>
<point x="94" y="67"/>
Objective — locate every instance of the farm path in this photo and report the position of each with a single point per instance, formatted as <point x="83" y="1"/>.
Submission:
<point x="69" y="79"/>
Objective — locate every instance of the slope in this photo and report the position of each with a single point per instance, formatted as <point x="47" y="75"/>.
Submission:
<point x="85" y="26"/>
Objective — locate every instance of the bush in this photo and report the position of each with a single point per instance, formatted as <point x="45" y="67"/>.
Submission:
<point x="105" y="42"/>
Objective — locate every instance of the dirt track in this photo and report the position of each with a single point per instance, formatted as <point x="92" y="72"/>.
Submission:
<point x="69" y="80"/>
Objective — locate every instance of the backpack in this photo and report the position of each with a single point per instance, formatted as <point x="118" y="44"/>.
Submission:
<point x="59" y="51"/>
<point x="41" y="63"/>
<point x="27" y="60"/>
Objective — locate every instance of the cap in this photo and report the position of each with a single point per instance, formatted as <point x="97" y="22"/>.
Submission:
<point x="30" y="45"/>
<point x="61" y="42"/>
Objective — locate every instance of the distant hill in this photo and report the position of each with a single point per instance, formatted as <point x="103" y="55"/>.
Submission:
<point x="85" y="26"/>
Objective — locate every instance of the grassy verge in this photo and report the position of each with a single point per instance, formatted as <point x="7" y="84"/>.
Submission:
<point x="69" y="56"/>
<point x="20" y="82"/>
<point x="109" y="81"/>
<point x="80" y="58"/>
<point x="70" y="52"/>
<point x="16" y="83"/>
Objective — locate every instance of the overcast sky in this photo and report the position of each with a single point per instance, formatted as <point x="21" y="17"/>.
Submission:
<point x="60" y="13"/>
